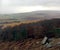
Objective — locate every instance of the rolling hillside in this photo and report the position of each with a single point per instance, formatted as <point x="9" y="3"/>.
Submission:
<point x="35" y="15"/>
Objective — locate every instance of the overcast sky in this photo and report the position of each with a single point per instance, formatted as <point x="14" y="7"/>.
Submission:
<point x="21" y="6"/>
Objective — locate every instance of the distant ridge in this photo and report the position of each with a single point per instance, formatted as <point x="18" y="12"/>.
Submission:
<point x="35" y="15"/>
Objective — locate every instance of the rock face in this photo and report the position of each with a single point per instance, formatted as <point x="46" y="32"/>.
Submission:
<point x="44" y="40"/>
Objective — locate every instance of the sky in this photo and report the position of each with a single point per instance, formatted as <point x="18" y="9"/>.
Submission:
<point x="21" y="6"/>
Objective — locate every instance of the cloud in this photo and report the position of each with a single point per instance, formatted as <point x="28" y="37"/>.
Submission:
<point x="23" y="9"/>
<point x="50" y="2"/>
<point x="31" y="2"/>
<point x="18" y="6"/>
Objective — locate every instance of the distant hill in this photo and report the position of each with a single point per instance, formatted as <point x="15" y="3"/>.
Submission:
<point x="35" y="15"/>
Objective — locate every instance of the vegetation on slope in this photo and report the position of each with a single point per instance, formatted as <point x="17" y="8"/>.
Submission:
<point x="37" y="29"/>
